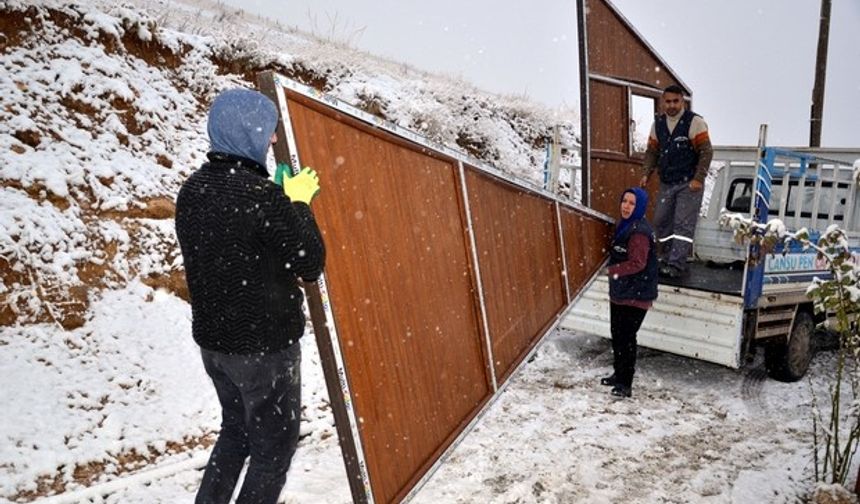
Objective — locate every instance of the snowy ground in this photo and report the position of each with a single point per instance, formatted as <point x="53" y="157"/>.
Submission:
<point x="693" y="432"/>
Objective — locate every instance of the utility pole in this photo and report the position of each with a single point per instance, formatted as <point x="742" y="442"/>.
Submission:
<point x="817" y="112"/>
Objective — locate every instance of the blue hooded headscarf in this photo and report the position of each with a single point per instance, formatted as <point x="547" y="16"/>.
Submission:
<point x="638" y="212"/>
<point x="241" y="123"/>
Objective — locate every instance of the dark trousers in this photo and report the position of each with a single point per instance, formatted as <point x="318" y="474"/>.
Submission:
<point x="675" y="218"/>
<point x="624" y="324"/>
<point x="260" y="398"/>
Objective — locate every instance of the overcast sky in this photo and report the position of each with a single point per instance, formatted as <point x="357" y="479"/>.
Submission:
<point x="747" y="61"/>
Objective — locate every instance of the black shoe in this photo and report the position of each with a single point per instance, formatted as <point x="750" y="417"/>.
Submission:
<point x="609" y="381"/>
<point x="621" y="390"/>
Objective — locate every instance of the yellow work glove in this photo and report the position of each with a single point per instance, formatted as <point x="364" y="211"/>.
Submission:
<point x="303" y="186"/>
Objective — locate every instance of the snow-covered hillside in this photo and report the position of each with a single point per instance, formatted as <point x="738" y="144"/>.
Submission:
<point x="103" y="116"/>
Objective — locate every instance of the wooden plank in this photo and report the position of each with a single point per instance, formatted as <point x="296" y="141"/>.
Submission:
<point x="517" y="245"/>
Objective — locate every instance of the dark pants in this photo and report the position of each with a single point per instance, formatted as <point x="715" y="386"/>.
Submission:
<point x="260" y="398"/>
<point x="675" y="219"/>
<point x="624" y="324"/>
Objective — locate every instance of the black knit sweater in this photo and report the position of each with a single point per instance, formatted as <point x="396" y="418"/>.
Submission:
<point x="244" y="245"/>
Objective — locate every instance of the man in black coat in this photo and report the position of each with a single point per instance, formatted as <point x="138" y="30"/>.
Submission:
<point x="244" y="246"/>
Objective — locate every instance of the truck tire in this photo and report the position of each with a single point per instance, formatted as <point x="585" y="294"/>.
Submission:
<point x="788" y="362"/>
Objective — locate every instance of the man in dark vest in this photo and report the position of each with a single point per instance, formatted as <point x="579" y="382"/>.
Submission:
<point x="679" y="148"/>
<point x="245" y="244"/>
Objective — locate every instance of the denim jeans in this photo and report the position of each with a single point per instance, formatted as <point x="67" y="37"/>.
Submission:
<point x="260" y="396"/>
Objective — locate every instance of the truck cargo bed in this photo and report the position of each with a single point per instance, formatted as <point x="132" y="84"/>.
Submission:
<point x="720" y="279"/>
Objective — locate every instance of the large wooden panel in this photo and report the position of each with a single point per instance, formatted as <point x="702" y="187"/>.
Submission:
<point x="609" y="130"/>
<point x="398" y="317"/>
<point x="399" y="278"/>
<point x="616" y="50"/>
<point x="585" y="246"/>
<point x="608" y="178"/>
<point x="518" y="251"/>
<point x="618" y="62"/>
<point x="598" y="235"/>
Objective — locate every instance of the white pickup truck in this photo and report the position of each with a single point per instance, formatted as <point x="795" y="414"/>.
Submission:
<point x="724" y="308"/>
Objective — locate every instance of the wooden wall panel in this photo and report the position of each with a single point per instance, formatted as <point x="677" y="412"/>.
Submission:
<point x="403" y="294"/>
<point x="608" y="179"/>
<point x="398" y="271"/>
<point x="619" y="62"/>
<point x="611" y="176"/>
<point x="609" y="130"/>
<point x="585" y="246"/>
<point x="615" y="50"/>
<point x="517" y="242"/>
<point x="598" y="234"/>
